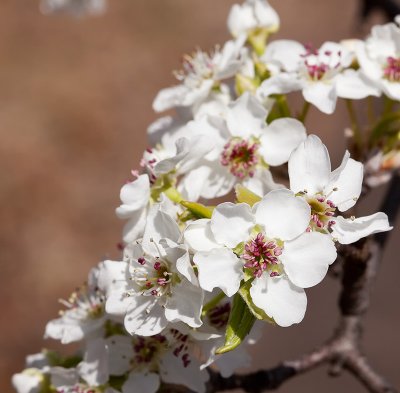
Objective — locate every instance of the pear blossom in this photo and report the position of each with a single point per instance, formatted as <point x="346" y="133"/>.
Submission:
<point x="251" y="16"/>
<point x="244" y="147"/>
<point x="155" y="283"/>
<point x="327" y="191"/>
<point x="268" y="243"/>
<point x="320" y="74"/>
<point x="380" y="166"/>
<point x="379" y="59"/>
<point x="84" y="316"/>
<point x="74" y="7"/>
<point x="165" y="357"/>
<point x="164" y="165"/>
<point x="202" y="72"/>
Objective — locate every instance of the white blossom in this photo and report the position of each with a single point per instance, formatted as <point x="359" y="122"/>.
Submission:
<point x="379" y="59"/>
<point x="320" y="74"/>
<point x="327" y="191"/>
<point x="155" y="284"/>
<point x="201" y="73"/>
<point x="268" y="243"/>
<point x="252" y="15"/>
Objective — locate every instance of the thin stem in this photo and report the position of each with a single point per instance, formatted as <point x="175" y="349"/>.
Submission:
<point x="354" y="126"/>
<point x="304" y="112"/>
<point x="173" y="194"/>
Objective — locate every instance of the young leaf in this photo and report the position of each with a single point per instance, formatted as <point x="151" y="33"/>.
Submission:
<point x="244" y="292"/>
<point x="240" y="322"/>
<point x="244" y="195"/>
<point x="197" y="209"/>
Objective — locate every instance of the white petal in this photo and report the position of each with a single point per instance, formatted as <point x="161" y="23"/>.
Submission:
<point x="185" y="304"/>
<point x="347" y="181"/>
<point x="200" y="146"/>
<point x="173" y="371"/>
<point x="120" y="354"/>
<point x="282" y="83"/>
<point x="199" y="237"/>
<point x="94" y="367"/>
<point x="182" y="146"/>
<point x="145" y="316"/>
<point x="159" y="226"/>
<point x="348" y="231"/>
<point x="61" y="377"/>
<point x="112" y="276"/>
<point x="280" y="299"/>
<point x="134" y="196"/>
<point x="179" y="258"/>
<point x="170" y="97"/>
<point x="309" y="166"/>
<point x="391" y="89"/>
<point x="141" y="383"/>
<point x="117" y="302"/>
<point x="219" y="181"/>
<point x="58" y="329"/>
<point x="351" y="85"/>
<point x="246" y="116"/>
<point x="28" y="383"/>
<point x="280" y="138"/>
<point x="134" y="228"/>
<point x="287" y="53"/>
<point x="193" y="183"/>
<point x="306" y="259"/>
<point x="219" y="268"/>
<point x="283" y="215"/>
<point x="262" y="182"/>
<point x="232" y="223"/>
<point x="322" y="95"/>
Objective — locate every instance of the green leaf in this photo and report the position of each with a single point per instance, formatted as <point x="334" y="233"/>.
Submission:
<point x="388" y="124"/>
<point x="240" y="322"/>
<point x="197" y="209"/>
<point x="244" y="195"/>
<point x="244" y="292"/>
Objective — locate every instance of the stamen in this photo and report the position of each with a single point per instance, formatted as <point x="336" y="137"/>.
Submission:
<point x="241" y="157"/>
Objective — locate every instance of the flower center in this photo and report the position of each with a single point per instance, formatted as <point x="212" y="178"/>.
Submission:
<point x="392" y="70"/>
<point x="195" y="68"/>
<point x="241" y="157"/>
<point x="147" y="349"/>
<point x="84" y="304"/>
<point x="319" y="64"/>
<point x="154" y="278"/>
<point x="262" y="254"/>
<point x="322" y="212"/>
<point x="219" y="315"/>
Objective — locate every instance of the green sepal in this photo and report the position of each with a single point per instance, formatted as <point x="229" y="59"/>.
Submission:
<point x="240" y="322"/>
<point x="244" y="195"/>
<point x="244" y="83"/>
<point x="197" y="209"/>
<point x="258" y="39"/>
<point x="244" y="292"/>
<point x="56" y="360"/>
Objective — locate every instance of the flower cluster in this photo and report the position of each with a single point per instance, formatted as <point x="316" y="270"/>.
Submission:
<point x="194" y="277"/>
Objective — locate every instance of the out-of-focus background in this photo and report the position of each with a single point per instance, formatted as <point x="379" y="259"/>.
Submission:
<point x="75" y="102"/>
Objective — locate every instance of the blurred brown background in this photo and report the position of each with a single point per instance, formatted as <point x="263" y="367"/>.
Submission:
<point x="75" y="101"/>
